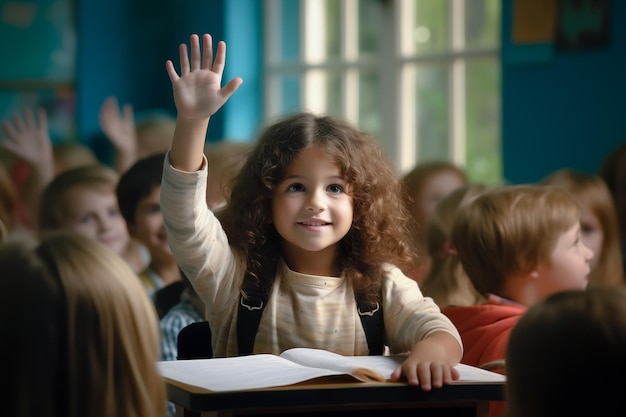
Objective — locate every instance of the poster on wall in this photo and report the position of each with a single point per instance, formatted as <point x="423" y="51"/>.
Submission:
<point x="582" y="24"/>
<point x="38" y="67"/>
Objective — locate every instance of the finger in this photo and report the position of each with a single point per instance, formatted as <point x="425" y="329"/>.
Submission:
<point x="396" y="374"/>
<point x="18" y="122"/>
<point x="424" y="378"/>
<point x="128" y="112"/>
<point x="43" y="119"/>
<point x="436" y="376"/>
<point x="9" y="130"/>
<point x="231" y="87"/>
<point x="184" y="59"/>
<point x="171" y="71"/>
<point x="207" y="58"/>
<point x="195" y="52"/>
<point x="220" y="58"/>
<point x="30" y="118"/>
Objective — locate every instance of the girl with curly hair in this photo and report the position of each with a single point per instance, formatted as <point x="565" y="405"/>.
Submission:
<point x="314" y="229"/>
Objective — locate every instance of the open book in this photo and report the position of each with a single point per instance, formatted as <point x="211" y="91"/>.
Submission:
<point x="294" y="366"/>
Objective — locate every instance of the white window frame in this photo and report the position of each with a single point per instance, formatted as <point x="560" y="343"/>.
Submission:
<point x="398" y="82"/>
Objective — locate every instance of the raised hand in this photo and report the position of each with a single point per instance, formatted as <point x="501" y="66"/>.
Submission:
<point x="29" y="140"/>
<point x="119" y="128"/>
<point x="198" y="93"/>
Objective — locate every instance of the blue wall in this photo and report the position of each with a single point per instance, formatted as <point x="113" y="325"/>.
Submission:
<point x="564" y="110"/>
<point x="123" y="46"/>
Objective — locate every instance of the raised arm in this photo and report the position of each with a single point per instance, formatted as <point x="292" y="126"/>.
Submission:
<point x="198" y="95"/>
<point x="119" y="128"/>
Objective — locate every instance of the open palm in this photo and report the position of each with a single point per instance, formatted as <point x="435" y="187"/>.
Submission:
<point x="197" y="91"/>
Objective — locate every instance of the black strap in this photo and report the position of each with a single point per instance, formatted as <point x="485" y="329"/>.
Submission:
<point x="374" y="327"/>
<point x="248" y="319"/>
<point x="250" y="310"/>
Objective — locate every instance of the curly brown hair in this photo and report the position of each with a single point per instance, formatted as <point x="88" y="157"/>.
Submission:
<point x="378" y="234"/>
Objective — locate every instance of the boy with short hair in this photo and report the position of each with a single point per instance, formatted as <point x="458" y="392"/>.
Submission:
<point x="518" y="244"/>
<point x="138" y="193"/>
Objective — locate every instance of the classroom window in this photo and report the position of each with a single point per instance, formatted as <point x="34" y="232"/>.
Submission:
<point x="423" y="76"/>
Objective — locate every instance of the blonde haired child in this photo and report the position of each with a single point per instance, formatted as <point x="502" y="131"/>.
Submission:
<point x="599" y="224"/>
<point x="83" y="200"/>
<point x="102" y="331"/>
<point x="446" y="281"/>
<point x="517" y="244"/>
<point x="314" y="225"/>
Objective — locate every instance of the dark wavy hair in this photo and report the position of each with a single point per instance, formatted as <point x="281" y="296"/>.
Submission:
<point x="378" y="234"/>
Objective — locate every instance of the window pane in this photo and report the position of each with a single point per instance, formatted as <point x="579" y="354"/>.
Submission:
<point x="333" y="28"/>
<point x="430" y="30"/>
<point x="289" y="93"/>
<point x="289" y="33"/>
<point x="482" y="24"/>
<point x="370" y="111"/>
<point x="334" y="97"/>
<point x="483" y="121"/>
<point x="369" y="26"/>
<point x="431" y="129"/>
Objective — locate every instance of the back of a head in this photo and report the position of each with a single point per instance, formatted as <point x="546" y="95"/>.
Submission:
<point x="68" y="155"/>
<point x="566" y="356"/>
<point x="155" y="131"/>
<point x="508" y="230"/>
<point x="34" y="332"/>
<point x="113" y="330"/>
<point x="225" y="159"/>
<point x="54" y="203"/>
<point x="138" y="182"/>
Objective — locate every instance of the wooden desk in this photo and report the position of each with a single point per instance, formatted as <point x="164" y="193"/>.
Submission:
<point x="336" y="397"/>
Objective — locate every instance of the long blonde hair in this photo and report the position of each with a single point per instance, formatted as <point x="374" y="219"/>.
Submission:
<point x="446" y="281"/>
<point x="113" y="333"/>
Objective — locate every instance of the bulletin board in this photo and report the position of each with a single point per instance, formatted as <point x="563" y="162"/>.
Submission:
<point x="38" y="51"/>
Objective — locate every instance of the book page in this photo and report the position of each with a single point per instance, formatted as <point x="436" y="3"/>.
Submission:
<point x="377" y="368"/>
<point x="364" y="368"/>
<point x="240" y="373"/>
<point x="265" y="370"/>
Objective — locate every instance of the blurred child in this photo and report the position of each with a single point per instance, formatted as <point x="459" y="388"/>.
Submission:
<point x="446" y="281"/>
<point x="189" y="309"/>
<point x="83" y="200"/>
<point x="138" y="194"/>
<point x="87" y="343"/>
<point x="37" y="161"/>
<point x="517" y="244"/>
<point x="566" y="356"/>
<point x="424" y="186"/>
<point x="225" y="159"/>
<point x="7" y="202"/>
<point x="598" y="222"/>
<point x="314" y="227"/>
<point x="613" y="172"/>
